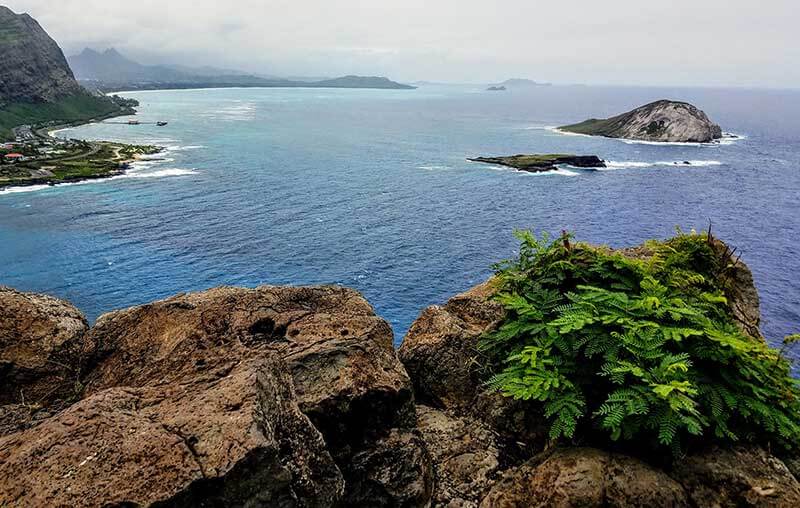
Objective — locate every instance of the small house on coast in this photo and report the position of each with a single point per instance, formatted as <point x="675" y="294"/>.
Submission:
<point x="14" y="157"/>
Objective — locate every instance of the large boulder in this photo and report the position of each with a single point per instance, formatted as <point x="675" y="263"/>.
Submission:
<point x="741" y="476"/>
<point x="228" y="397"/>
<point x="41" y="348"/>
<point x="340" y="354"/>
<point x="440" y="350"/>
<point x="585" y="477"/>
<point x="440" y="353"/>
<point x="233" y="438"/>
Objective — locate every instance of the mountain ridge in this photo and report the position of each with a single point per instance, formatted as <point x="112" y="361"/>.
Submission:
<point x="110" y="71"/>
<point x="37" y="85"/>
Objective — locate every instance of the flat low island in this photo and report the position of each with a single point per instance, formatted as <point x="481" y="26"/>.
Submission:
<point x="538" y="163"/>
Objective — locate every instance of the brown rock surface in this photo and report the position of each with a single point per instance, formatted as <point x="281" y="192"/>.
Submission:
<point x="440" y="349"/>
<point x="736" y="477"/>
<point x="394" y="471"/>
<point x="233" y="438"/>
<point x="585" y="477"/>
<point x="465" y="455"/>
<point x="227" y="397"/>
<point x="346" y="373"/>
<point x="41" y="347"/>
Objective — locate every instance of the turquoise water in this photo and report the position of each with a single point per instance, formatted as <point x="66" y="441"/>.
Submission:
<point x="371" y="189"/>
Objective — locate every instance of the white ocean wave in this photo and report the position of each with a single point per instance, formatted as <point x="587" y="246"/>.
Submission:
<point x="728" y="139"/>
<point x="159" y="173"/>
<point x="179" y="148"/>
<point x="135" y="172"/>
<point x="29" y="188"/>
<point x="612" y="165"/>
<point x="434" y="167"/>
<point x="561" y="171"/>
<point x="565" y="133"/>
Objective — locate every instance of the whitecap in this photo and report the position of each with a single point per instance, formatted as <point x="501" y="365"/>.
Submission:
<point x="612" y="165"/>
<point x="159" y="173"/>
<point x="727" y="139"/>
<point x="179" y="148"/>
<point x="28" y="188"/>
<point x="561" y="171"/>
<point x="434" y="167"/>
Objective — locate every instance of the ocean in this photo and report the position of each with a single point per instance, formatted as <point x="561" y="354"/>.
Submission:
<point x="371" y="189"/>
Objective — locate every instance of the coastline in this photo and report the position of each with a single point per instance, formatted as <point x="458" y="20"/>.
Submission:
<point x="123" y="164"/>
<point x="48" y="133"/>
<point x="727" y="138"/>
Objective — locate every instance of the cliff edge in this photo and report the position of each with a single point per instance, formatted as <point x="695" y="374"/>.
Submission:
<point x="294" y="396"/>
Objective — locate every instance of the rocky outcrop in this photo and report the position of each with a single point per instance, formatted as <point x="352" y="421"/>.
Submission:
<point x="506" y="441"/>
<point x="393" y="471"/>
<point x="41" y="348"/>
<point x="660" y="121"/>
<point x="282" y="396"/>
<point x="340" y="354"/>
<point x="34" y="68"/>
<point x="538" y="163"/>
<point x="233" y="438"/>
<point x="466" y="455"/>
<point x="575" y="477"/>
<point x="230" y="397"/>
<point x="737" y="477"/>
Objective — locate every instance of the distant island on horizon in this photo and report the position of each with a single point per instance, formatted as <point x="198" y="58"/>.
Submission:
<point x="110" y="71"/>
<point x="519" y="83"/>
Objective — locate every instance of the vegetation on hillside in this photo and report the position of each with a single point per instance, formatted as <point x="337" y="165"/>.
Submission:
<point x="637" y="345"/>
<point x="76" y="108"/>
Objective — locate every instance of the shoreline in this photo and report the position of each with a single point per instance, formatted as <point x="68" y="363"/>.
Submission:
<point x="727" y="138"/>
<point x="123" y="165"/>
<point x="48" y="132"/>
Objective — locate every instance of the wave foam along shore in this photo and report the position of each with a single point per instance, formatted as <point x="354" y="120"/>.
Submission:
<point x="612" y="165"/>
<point x="728" y="138"/>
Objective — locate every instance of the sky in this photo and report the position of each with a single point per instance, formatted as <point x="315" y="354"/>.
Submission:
<point x="631" y="42"/>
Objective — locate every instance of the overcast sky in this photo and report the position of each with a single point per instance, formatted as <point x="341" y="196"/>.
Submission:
<point x="675" y="42"/>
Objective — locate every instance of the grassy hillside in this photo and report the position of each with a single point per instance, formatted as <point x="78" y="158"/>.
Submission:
<point x="595" y="127"/>
<point x="75" y="108"/>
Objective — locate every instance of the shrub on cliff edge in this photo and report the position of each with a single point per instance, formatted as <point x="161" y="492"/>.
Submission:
<point x="638" y="345"/>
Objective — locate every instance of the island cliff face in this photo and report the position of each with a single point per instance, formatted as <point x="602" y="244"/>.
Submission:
<point x="660" y="121"/>
<point x="281" y="396"/>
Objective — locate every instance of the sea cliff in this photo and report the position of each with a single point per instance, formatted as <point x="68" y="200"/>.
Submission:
<point x="294" y="396"/>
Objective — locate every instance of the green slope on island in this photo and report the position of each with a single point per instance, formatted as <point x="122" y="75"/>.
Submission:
<point x="37" y="85"/>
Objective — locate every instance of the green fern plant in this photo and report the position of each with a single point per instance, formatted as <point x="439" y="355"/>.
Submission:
<point x="640" y="345"/>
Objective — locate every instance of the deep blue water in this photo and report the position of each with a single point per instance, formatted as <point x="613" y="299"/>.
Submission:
<point x="371" y="189"/>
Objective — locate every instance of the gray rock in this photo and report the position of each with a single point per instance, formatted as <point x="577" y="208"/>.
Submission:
<point x="661" y="121"/>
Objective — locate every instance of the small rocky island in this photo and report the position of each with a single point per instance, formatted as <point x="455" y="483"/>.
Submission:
<point x="538" y="163"/>
<point x="660" y="121"/>
<point x="496" y="89"/>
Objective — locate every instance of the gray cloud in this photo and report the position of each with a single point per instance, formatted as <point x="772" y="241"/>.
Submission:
<point x="708" y="42"/>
